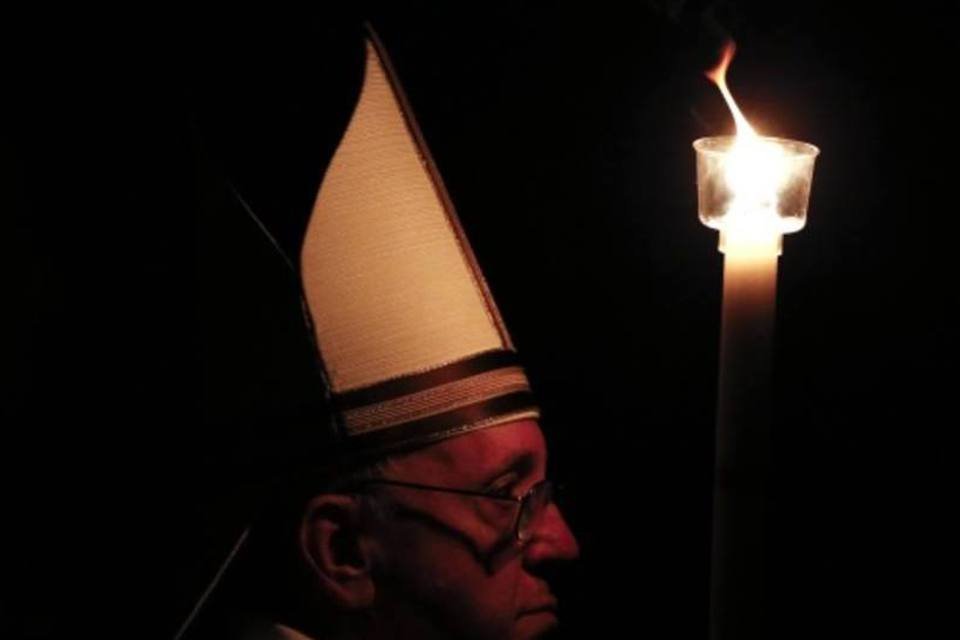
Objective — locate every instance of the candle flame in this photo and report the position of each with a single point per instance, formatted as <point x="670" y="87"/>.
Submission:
<point x="718" y="75"/>
<point x="755" y="170"/>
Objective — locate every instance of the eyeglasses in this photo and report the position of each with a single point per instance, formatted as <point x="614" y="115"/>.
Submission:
<point x="532" y="503"/>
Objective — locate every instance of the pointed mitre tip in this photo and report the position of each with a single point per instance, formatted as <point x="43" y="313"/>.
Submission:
<point x="372" y="42"/>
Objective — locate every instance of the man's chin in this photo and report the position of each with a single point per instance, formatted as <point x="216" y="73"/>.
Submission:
<point x="536" y="624"/>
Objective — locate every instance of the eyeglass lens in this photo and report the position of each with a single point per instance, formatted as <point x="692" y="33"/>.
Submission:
<point x="533" y="505"/>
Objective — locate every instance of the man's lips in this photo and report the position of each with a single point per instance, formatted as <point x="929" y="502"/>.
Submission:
<point x="547" y="606"/>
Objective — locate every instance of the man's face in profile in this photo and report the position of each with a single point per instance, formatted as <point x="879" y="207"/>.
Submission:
<point x="450" y="564"/>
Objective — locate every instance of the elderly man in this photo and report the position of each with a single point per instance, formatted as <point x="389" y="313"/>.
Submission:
<point x="452" y="540"/>
<point x="433" y="516"/>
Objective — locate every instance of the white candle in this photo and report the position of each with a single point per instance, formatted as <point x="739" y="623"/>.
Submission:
<point x="738" y="564"/>
<point x="752" y="189"/>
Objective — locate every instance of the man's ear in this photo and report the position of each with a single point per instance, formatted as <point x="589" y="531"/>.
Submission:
<point x="337" y="547"/>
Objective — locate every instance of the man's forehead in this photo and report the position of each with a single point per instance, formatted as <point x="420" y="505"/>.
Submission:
<point x="482" y="452"/>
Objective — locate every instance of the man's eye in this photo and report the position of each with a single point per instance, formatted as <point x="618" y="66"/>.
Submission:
<point x="503" y="487"/>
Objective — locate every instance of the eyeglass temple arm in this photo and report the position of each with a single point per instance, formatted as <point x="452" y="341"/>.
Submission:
<point x="427" y="487"/>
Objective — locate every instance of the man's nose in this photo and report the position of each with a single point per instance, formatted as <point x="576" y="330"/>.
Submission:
<point x="551" y="538"/>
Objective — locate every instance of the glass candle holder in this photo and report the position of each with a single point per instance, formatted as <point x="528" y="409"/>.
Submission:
<point x="754" y="184"/>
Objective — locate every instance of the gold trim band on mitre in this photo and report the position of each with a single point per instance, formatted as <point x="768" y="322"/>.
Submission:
<point x="436" y="400"/>
<point x="484" y="415"/>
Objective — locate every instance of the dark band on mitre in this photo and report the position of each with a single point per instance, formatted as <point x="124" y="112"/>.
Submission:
<point x="447" y="398"/>
<point x="482" y="363"/>
<point x="492" y="412"/>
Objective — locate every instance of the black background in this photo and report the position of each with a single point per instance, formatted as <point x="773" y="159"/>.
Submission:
<point x="152" y="334"/>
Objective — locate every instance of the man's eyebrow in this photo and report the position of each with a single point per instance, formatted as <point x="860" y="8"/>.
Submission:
<point x="519" y="463"/>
